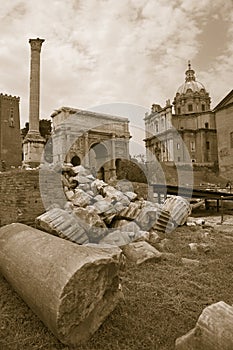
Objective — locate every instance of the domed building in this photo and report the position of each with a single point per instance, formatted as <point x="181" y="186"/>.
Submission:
<point x="191" y="97"/>
<point x="188" y="134"/>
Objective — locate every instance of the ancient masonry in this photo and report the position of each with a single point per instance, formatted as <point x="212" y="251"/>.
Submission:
<point x="10" y="141"/>
<point x="34" y="143"/>
<point x="96" y="140"/>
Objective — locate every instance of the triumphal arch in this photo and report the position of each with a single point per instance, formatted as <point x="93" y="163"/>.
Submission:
<point x="95" y="140"/>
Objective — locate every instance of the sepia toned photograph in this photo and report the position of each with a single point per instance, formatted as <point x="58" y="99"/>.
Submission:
<point x="116" y="175"/>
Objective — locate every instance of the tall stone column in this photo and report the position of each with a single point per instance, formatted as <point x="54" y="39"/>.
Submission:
<point x="86" y="150"/>
<point x="113" y="157"/>
<point x="34" y="143"/>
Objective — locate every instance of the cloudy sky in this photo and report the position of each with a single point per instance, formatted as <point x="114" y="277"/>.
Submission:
<point x="132" y="52"/>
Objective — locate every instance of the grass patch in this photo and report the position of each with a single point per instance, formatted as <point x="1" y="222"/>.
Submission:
<point x="162" y="300"/>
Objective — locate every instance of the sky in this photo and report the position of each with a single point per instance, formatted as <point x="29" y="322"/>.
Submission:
<point x="118" y="56"/>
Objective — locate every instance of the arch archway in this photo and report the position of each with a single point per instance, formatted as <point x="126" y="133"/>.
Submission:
<point x="98" y="156"/>
<point x="75" y="160"/>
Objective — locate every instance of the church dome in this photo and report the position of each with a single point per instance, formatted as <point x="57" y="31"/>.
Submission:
<point x="195" y="86"/>
<point x="191" y="97"/>
<point x="190" y="82"/>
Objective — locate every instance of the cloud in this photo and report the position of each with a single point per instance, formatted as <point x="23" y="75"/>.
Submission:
<point x="103" y="51"/>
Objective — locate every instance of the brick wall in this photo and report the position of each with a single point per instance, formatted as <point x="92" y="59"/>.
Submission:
<point x="20" y="192"/>
<point x="131" y="170"/>
<point x="20" y="199"/>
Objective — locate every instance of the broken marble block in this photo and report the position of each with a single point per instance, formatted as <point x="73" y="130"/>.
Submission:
<point x="109" y="192"/>
<point x="104" y="207"/>
<point x="116" y="238"/>
<point x="71" y="288"/>
<point x="213" y="330"/>
<point x="79" y="169"/>
<point x="97" y="186"/>
<point x="62" y="223"/>
<point x="91" y="222"/>
<point x="139" y="252"/>
<point x="81" y="198"/>
<point x="147" y="217"/>
<point x="131" y="195"/>
<point x="130" y="212"/>
<point x="179" y="209"/>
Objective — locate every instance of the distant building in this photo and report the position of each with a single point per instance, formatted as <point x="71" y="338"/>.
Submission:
<point x="97" y="141"/>
<point x="10" y="139"/>
<point x="189" y="133"/>
<point x="224" y="122"/>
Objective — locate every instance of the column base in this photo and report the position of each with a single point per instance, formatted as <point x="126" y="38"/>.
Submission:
<point x="33" y="147"/>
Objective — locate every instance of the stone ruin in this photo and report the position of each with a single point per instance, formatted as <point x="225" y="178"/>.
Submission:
<point x="99" y="213"/>
<point x="74" y="287"/>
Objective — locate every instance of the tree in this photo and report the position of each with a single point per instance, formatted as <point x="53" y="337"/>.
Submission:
<point x="45" y="128"/>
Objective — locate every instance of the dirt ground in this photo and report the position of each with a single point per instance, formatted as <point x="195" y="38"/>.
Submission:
<point x="162" y="300"/>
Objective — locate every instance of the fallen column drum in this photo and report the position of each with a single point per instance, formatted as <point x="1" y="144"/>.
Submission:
<point x="72" y="288"/>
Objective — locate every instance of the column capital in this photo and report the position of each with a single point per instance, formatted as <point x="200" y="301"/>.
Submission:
<point x="36" y="44"/>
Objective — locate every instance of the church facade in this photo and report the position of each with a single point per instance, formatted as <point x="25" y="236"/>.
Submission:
<point x="224" y="122"/>
<point x="187" y="135"/>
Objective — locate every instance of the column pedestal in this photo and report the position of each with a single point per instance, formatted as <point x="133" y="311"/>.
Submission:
<point x="33" y="147"/>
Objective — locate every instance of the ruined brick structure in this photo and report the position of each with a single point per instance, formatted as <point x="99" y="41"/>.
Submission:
<point x="20" y="196"/>
<point x="187" y="135"/>
<point x="10" y="140"/>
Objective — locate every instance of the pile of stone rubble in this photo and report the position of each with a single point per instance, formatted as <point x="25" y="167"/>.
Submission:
<point x="96" y="212"/>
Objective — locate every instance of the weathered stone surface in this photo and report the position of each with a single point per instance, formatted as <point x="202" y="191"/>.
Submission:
<point x="118" y="206"/>
<point x="99" y="197"/>
<point x="200" y="247"/>
<point x="190" y="262"/>
<point x="147" y="217"/>
<point x="86" y="188"/>
<point x="141" y="236"/>
<point x="68" y="168"/>
<point x="65" y="181"/>
<point x="71" y="288"/>
<point x="124" y="186"/>
<point x="127" y="226"/>
<point x="131" y="212"/>
<point x="139" y="252"/>
<point x="154" y="237"/>
<point x="81" y="198"/>
<point x="73" y="182"/>
<point x="111" y="192"/>
<point x="193" y="247"/>
<point x="68" y="206"/>
<point x="92" y="223"/>
<point x="79" y="169"/>
<point x="98" y="185"/>
<point x="104" y="207"/>
<point x="163" y="222"/>
<point x="213" y="330"/>
<point x="179" y="209"/>
<point x="118" y="238"/>
<point x="63" y="224"/>
<point x="82" y="179"/>
<point x="69" y="194"/>
<point x="131" y="195"/>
